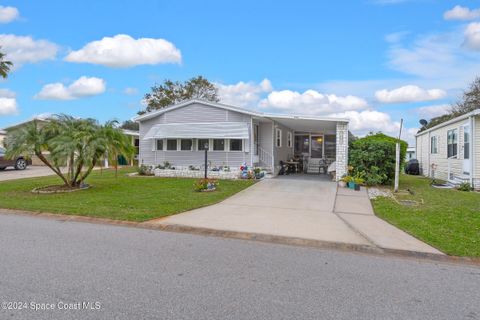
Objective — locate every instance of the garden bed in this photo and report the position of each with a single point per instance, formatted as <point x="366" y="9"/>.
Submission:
<point x="55" y="188"/>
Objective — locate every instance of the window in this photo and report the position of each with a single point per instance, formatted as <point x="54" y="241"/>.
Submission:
<point x="451" y="143"/>
<point x="278" y="138"/>
<point x="186" y="144"/>
<point x="201" y="143"/>
<point x="434" y="145"/>
<point x="218" y="144"/>
<point x="2" y="152"/>
<point x="466" y="142"/>
<point x="235" y="144"/>
<point x="330" y="146"/>
<point x="172" y="144"/>
<point x="289" y="139"/>
<point x="159" y="145"/>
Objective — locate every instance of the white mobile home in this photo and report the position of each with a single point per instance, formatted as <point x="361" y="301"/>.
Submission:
<point x="451" y="150"/>
<point x="179" y="133"/>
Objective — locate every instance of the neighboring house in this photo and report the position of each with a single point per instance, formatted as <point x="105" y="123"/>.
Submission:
<point x="3" y="133"/>
<point x="411" y="153"/>
<point x="451" y="150"/>
<point x="35" y="160"/>
<point x="179" y="133"/>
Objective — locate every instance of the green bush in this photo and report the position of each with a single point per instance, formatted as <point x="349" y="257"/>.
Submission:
<point x="465" y="186"/>
<point x="373" y="157"/>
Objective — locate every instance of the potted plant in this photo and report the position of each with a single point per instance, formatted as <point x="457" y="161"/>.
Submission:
<point x="358" y="182"/>
<point x="258" y="173"/>
<point x="344" y="181"/>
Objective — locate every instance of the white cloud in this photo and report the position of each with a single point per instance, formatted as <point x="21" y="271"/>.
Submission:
<point x="433" y="111"/>
<point x="8" y="106"/>
<point x="83" y="87"/>
<point x="24" y="49"/>
<point x="461" y="13"/>
<point x="8" y="14"/>
<point x="409" y="93"/>
<point x="123" y="51"/>
<point x="7" y="93"/>
<point x="472" y="36"/>
<point x="311" y="102"/>
<point x="130" y="91"/>
<point x="243" y="93"/>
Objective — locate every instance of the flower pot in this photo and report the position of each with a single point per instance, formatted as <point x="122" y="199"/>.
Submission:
<point x="342" y="184"/>
<point x="351" y="185"/>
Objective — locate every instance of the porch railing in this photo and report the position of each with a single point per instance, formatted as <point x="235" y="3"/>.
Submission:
<point x="265" y="157"/>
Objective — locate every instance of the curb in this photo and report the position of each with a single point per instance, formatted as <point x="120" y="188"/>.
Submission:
<point x="293" y="241"/>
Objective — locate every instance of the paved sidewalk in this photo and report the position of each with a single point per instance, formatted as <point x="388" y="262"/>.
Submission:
<point x="355" y="208"/>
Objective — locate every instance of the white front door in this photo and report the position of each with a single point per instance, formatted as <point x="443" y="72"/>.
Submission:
<point x="466" y="149"/>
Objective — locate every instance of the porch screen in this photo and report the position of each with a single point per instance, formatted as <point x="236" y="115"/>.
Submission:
<point x="330" y="146"/>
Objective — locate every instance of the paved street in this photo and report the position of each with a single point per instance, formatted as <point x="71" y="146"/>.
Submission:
<point x="148" y="274"/>
<point x="30" y="172"/>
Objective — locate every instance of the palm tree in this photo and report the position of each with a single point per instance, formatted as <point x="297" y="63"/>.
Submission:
<point x="117" y="143"/>
<point x="78" y="144"/>
<point x="5" y="65"/>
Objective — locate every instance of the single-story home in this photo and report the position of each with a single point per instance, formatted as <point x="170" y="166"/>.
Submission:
<point x="3" y="134"/>
<point x="411" y="153"/>
<point x="179" y="134"/>
<point x="451" y="150"/>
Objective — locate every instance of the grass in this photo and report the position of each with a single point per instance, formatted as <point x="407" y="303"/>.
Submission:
<point x="122" y="198"/>
<point x="444" y="218"/>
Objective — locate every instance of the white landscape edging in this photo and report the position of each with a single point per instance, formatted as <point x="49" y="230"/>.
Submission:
<point x="169" y="173"/>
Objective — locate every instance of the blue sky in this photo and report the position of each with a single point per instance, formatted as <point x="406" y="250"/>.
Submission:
<point x="374" y="61"/>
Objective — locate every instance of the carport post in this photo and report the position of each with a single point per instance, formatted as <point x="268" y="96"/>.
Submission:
<point x="206" y="159"/>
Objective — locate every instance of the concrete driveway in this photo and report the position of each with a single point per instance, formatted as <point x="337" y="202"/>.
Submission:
<point x="29" y="172"/>
<point x="305" y="207"/>
<point x="283" y="207"/>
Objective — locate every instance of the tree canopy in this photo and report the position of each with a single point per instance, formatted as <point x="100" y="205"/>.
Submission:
<point x="62" y="140"/>
<point x="469" y="101"/>
<point x="130" y="125"/>
<point x="172" y="92"/>
<point x="5" y="65"/>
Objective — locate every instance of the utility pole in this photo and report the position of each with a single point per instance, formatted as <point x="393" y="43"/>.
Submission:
<point x="397" y="158"/>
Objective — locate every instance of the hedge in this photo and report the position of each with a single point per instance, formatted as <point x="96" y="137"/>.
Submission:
<point x="373" y="158"/>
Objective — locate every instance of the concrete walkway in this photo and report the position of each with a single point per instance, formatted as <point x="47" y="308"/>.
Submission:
<point x="305" y="208"/>
<point x="356" y="210"/>
<point x="29" y="172"/>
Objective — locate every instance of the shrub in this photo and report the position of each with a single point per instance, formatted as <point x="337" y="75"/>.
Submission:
<point x="465" y="186"/>
<point x="205" y="184"/>
<point x="144" y="170"/>
<point x="374" y="158"/>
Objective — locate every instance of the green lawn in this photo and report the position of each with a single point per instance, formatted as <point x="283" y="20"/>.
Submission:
<point x="445" y="218"/>
<point x="122" y="198"/>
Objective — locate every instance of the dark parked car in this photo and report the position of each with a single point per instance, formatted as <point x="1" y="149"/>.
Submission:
<point x="19" y="163"/>
<point x="412" y="167"/>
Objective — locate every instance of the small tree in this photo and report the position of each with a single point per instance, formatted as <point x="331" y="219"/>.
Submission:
<point x="172" y="92"/>
<point x="64" y="140"/>
<point x="373" y="157"/>
<point x="130" y="125"/>
<point x="5" y="65"/>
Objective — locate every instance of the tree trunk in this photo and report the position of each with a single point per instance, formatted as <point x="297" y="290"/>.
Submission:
<point x="48" y="164"/>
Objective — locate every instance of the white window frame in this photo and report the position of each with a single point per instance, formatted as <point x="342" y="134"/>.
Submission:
<point x="243" y="145"/>
<point x="224" y="146"/>
<point x="165" y="145"/>
<point x="289" y="139"/>
<point x="209" y="144"/>
<point x="433" y="143"/>
<point x="179" y="145"/>
<point x="454" y="131"/>
<point x="156" y="145"/>
<point x="278" y="137"/>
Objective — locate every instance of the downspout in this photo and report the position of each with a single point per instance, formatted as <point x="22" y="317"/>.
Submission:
<point x="251" y="142"/>
<point x="472" y="149"/>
